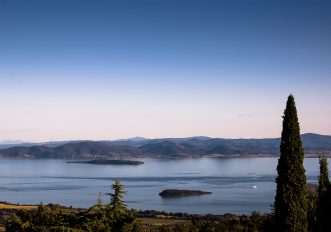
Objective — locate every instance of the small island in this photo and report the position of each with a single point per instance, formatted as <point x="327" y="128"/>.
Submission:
<point x="182" y="193"/>
<point x="109" y="162"/>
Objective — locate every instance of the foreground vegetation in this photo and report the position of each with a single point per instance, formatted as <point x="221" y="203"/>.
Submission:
<point x="113" y="216"/>
<point x="54" y="218"/>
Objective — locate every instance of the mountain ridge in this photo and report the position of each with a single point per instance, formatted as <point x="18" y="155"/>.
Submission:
<point x="198" y="146"/>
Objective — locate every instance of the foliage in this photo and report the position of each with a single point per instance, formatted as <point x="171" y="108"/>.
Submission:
<point x="324" y="197"/>
<point x="121" y="217"/>
<point x="54" y="218"/>
<point x="113" y="217"/>
<point x="291" y="199"/>
<point x="45" y="218"/>
<point x="311" y="210"/>
<point x="116" y="203"/>
<point x="255" y="223"/>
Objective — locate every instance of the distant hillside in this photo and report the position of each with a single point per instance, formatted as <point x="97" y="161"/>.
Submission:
<point x="315" y="142"/>
<point x="71" y="150"/>
<point x="162" y="148"/>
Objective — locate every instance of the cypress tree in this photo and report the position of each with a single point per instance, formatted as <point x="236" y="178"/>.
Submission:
<point x="290" y="206"/>
<point x="323" y="201"/>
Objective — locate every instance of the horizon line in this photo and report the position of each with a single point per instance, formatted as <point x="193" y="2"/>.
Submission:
<point x="4" y="142"/>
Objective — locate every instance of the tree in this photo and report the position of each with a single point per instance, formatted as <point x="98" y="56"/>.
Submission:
<point x="290" y="205"/>
<point x="116" y="198"/>
<point x="119" y="217"/>
<point x="312" y="207"/>
<point x="323" y="201"/>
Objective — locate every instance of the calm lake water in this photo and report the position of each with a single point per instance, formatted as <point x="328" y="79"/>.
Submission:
<point x="239" y="185"/>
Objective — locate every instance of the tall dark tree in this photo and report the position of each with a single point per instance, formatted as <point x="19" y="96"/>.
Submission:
<point x="290" y="202"/>
<point x="323" y="201"/>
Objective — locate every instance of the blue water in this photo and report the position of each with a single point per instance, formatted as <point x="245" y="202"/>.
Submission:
<point x="238" y="185"/>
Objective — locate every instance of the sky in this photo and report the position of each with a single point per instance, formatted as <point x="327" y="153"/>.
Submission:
<point x="97" y="69"/>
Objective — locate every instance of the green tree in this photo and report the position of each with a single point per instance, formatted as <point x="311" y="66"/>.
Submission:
<point x="312" y="207"/>
<point x="116" y="199"/>
<point x="290" y="206"/>
<point x="120" y="218"/>
<point x="323" y="201"/>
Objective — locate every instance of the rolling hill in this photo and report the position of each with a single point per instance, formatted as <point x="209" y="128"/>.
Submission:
<point x="162" y="148"/>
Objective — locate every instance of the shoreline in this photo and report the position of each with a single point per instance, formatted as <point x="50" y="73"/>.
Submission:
<point x="150" y="213"/>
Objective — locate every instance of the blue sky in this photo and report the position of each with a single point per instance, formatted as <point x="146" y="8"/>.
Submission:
<point x="83" y="69"/>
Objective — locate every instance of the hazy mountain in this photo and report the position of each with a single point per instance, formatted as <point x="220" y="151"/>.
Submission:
<point x="315" y="142"/>
<point x="7" y="145"/>
<point x="7" y="142"/>
<point x="135" y="141"/>
<point x="165" y="148"/>
<point x="71" y="150"/>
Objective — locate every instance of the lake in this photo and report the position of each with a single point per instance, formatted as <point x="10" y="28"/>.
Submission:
<point x="238" y="185"/>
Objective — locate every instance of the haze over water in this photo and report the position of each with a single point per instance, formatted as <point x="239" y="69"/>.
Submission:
<point x="238" y="185"/>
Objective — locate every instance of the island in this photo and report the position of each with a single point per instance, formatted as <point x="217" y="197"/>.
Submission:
<point x="109" y="161"/>
<point x="182" y="193"/>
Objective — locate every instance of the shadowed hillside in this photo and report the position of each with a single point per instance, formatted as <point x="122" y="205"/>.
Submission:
<point x="163" y="148"/>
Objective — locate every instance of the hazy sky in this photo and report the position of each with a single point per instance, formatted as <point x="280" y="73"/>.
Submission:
<point x="93" y="69"/>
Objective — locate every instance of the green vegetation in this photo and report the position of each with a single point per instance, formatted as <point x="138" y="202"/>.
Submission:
<point x="312" y="205"/>
<point x="291" y="197"/>
<point x="254" y="222"/>
<point x="324" y="198"/>
<point x="55" y="219"/>
<point x="100" y="218"/>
